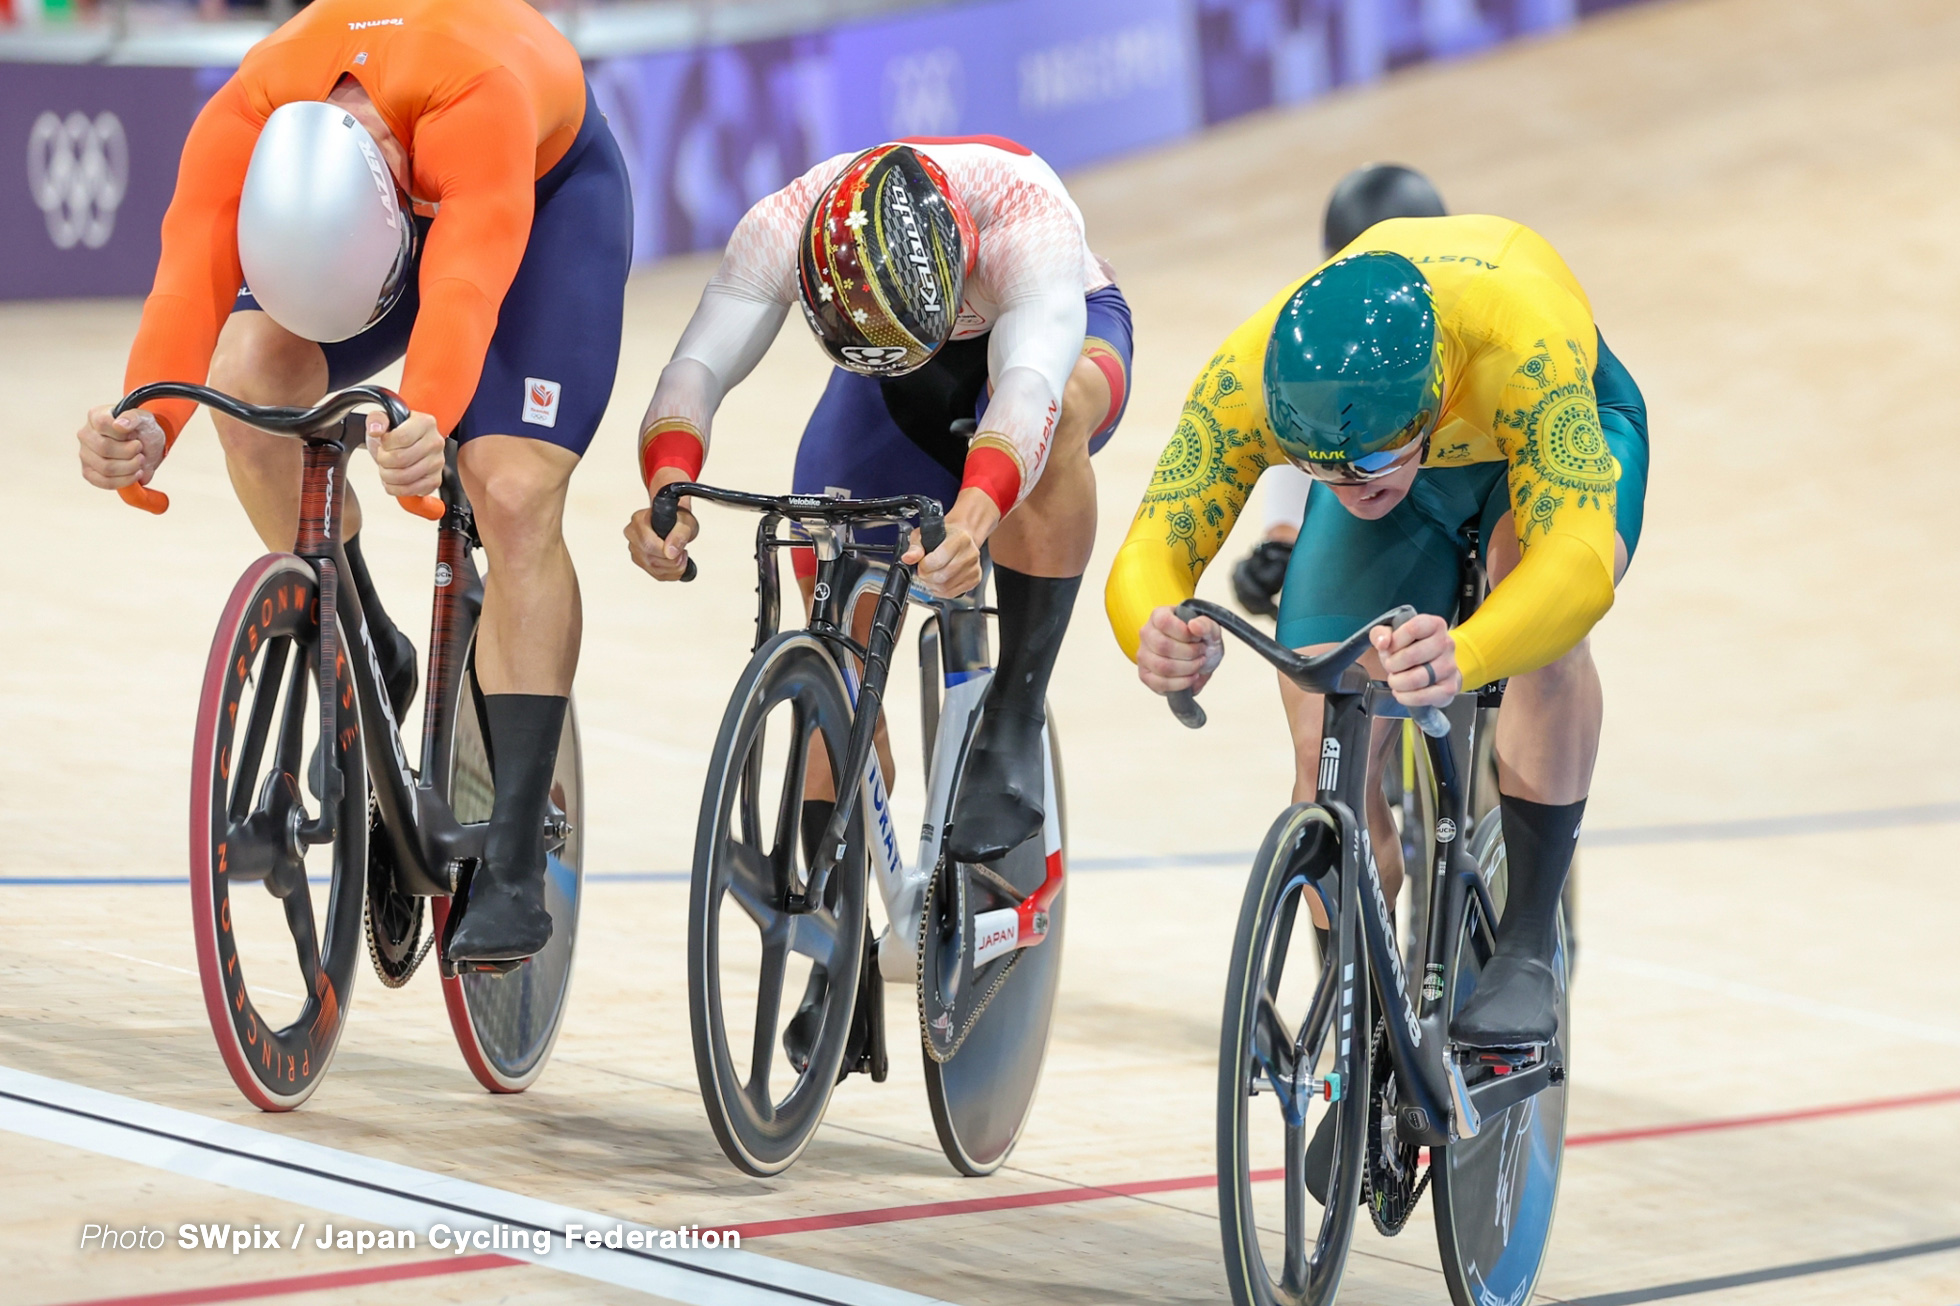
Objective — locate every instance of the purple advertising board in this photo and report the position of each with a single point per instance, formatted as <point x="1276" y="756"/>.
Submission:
<point x="707" y="132"/>
<point x="86" y="174"/>
<point x="1074" y="83"/>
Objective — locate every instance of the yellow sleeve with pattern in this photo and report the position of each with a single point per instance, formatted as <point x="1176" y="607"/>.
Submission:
<point x="1221" y="445"/>
<point x="1562" y="487"/>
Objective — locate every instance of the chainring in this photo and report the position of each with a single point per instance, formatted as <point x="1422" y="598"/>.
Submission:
<point x="945" y="944"/>
<point x="393" y="920"/>
<point x="1391" y="1184"/>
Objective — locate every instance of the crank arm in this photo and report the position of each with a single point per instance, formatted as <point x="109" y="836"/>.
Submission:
<point x="1024" y="925"/>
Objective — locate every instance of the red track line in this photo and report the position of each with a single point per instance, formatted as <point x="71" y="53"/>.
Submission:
<point x="1772" y="1118"/>
<point x="1060" y="1196"/>
<point x="967" y="1206"/>
<point x="299" y="1283"/>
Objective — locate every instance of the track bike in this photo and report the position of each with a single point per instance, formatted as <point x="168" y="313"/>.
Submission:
<point x="1351" y="1025"/>
<point x="294" y="706"/>
<point x="980" y="944"/>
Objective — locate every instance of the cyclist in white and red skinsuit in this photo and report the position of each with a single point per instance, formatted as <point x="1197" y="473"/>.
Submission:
<point x="1039" y="353"/>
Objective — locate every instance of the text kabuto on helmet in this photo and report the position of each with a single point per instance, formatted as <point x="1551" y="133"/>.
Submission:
<point x="883" y="262"/>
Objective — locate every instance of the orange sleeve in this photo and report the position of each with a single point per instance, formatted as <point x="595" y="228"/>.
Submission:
<point x="480" y="162"/>
<point x="198" y="274"/>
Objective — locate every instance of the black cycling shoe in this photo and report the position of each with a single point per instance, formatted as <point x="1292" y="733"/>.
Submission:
<point x="1260" y="575"/>
<point x="505" y="919"/>
<point x="1000" y="801"/>
<point x="1515" y="1005"/>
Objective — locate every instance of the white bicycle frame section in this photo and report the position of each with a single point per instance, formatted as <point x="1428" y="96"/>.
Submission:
<point x="902" y="889"/>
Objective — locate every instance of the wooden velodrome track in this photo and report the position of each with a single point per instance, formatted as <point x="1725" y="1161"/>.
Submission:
<point x="1760" y="198"/>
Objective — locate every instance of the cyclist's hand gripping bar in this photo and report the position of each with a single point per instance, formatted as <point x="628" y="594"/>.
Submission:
<point x="666" y="511"/>
<point x="1319" y="675"/>
<point x="274" y="419"/>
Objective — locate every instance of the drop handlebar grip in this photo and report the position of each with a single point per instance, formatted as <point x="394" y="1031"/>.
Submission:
<point x="932" y="530"/>
<point x="1184" y="706"/>
<point x="142" y="496"/>
<point x="427" y="506"/>
<point x="1430" y="719"/>
<point x="666" y="513"/>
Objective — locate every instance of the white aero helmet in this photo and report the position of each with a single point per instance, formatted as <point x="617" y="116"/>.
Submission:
<point x="322" y="238"/>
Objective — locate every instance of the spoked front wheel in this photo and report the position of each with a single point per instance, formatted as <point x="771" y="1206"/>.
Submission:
<point x="986" y="1025"/>
<point x="1293" y="1053"/>
<point x="271" y="886"/>
<point x="747" y="950"/>
<point x="1496" y="1192"/>
<point x="506" y="1021"/>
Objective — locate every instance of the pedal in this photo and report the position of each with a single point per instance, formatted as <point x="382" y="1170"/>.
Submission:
<point x="1502" y="1061"/>
<point x="457" y="900"/>
<point x="489" y="967"/>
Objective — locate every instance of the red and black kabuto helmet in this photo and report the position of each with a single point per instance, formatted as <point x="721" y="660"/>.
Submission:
<point x="884" y="259"/>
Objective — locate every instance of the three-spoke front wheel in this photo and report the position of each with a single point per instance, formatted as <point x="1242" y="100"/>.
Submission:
<point x="276" y="895"/>
<point x="747" y="949"/>
<point x="1293" y="1053"/>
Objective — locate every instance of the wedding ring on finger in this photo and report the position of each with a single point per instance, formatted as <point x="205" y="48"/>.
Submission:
<point x="1430" y="667"/>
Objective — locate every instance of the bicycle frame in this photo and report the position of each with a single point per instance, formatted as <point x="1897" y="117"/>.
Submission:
<point x="848" y="572"/>
<point x="1444" y="1106"/>
<point x="956" y="638"/>
<point x="428" y="843"/>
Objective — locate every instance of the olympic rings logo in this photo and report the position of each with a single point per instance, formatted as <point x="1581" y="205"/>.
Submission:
<point x="78" y="173"/>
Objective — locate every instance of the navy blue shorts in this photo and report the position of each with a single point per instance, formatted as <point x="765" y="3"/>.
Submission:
<point x="559" y="322"/>
<point x="870" y="438"/>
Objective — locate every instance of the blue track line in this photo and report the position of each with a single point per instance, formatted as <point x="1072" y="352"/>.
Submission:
<point x="1636" y="836"/>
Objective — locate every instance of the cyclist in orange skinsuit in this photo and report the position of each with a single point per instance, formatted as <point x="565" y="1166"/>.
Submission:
<point x="510" y="325"/>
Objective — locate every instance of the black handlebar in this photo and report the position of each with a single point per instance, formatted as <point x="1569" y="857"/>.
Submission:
<point x="666" y="512"/>
<point x="274" y="419"/>
<point x="899" y="510"/>
<point x="1321" y="674"/>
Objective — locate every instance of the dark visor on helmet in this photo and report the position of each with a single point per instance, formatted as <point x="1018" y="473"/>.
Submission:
<point x="1373" y="466"/>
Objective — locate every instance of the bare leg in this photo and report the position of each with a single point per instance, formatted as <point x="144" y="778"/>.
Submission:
<point x="1304" y="713"/>
<point x="1548" y="732"/>
<point x="526" y="651"/>
<point x="261" y="362"/>
<point x="818" y="783"/>
<point x="528" y="639"/>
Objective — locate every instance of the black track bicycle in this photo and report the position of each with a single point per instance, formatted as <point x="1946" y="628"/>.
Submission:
<point x="774" y="918"/>
<point x="309" y="829"/>
<point x="1349" y="1024"/>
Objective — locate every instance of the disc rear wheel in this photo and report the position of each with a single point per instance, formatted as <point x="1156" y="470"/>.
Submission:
<point x="506" y="1021"/>
<point x="1496" y="1192"/>
<point x="985" y="1028"/>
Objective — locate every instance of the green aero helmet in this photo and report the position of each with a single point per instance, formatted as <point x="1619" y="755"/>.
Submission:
<point x="1353" y="378"/>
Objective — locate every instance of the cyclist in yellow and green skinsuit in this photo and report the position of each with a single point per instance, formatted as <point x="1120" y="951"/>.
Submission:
<point x="1437" y="375"/>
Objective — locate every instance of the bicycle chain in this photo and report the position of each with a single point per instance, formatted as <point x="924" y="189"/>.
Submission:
<point x="381" y="969"/>
<point x="925" y="923"/>
<point x="1386" y="1191"/>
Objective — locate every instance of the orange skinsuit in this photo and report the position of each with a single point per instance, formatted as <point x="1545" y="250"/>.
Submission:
<point x="484" y="96"/>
